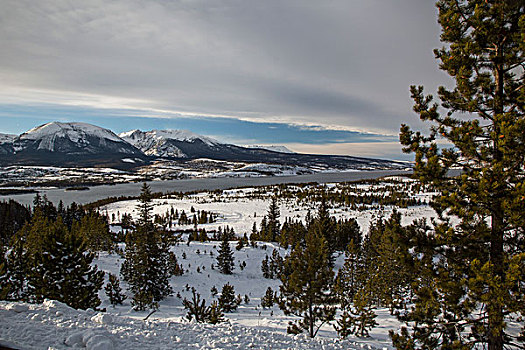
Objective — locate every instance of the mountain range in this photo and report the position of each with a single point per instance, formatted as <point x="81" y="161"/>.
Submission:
<point x="85" y="145"/>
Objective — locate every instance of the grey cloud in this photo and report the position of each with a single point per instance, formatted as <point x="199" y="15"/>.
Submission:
<point x="346" y="63"/>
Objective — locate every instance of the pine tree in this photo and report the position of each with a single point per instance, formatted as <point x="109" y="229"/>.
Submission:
<point x="227" y="301"/>
<point x="356" y="284"/>
<point x="4" y="285"/>
<point x="267" y="300"/>
<point x="225" y="259"/>
<point x="276" y="264"/>
<point x="466" y="295"/>
<point x="240" y="244"/>
<point x="391" y="272"/>
<point x="254" y="236"/>
<point x="215" y="314"/>
<point x="198" y="310"/>
<point x="307" y="282"/>
<point x="147" y="266"/>
<point x="325" y="225"/>
<point x="113" y="291"/>
<point x="350" y="276"/>
<point x="274" y="227"/>
<point x="358" y="317"/>
<point x="265" y="267"/>
<point x="196" y="307"/>
<point x="95" y="231"/>
<point x="61" y="269"/>
<point x="293" y="233"/>
<point x="346" y="231"/>
<point x="12" y="217"/>
<point x="174" y="268"/>
<point x="17" y="266"/>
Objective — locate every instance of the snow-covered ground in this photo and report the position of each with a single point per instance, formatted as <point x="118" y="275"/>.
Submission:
<point x="53" y="325"/>
<point x="240" y="208"/>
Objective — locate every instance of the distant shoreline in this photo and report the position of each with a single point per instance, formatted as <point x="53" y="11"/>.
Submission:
<point x="192" y="185"/>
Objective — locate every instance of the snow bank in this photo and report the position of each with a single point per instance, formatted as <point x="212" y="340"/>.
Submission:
<point x="53" y="325"/>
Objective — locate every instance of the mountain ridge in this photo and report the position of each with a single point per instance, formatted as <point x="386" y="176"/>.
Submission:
<point x="85" y="145"/>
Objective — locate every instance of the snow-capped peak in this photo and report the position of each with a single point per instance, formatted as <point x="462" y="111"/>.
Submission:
<point x="130" y="134"/>
<point x="157" y="142"/>
<point x="170" y="134"/>
<point x="73" y="131"/>
<point x="72" y="138"/>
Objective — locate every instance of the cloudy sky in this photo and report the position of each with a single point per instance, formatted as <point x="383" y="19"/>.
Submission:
<point x="326" y="76"/>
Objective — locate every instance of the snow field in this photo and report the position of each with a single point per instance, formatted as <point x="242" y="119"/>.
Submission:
<point x="56" y="326"/>
<point x="248" y="281"/>
<point x="240" y="208"/>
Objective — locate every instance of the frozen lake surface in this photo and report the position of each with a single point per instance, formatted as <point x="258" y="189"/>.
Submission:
<point x="188" y="185"/>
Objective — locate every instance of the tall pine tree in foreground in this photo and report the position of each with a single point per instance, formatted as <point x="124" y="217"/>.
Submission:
<point x="147" y="265"/>
<point x="475" y="283"/>
<point x="307" y="281"/>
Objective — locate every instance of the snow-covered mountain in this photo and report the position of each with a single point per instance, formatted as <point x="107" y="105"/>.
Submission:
<point x="61" y="144"/>
<point x="164" y="143"/>
<point x="86" y="145"/>
<point x="72" y="138"/>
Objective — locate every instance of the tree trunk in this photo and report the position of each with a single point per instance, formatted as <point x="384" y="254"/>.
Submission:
<point x="495" y="308"/>
<point x="311" y="320"/>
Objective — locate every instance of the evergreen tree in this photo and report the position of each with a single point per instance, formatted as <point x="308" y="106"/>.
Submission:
<point x="17" y="269"/>
<point x="215" y="314"/>
<point x="240" y="244"/>
<point x="196" y="307"/>
<point x="292" y="233"/>
<point x="127" y="221"/>
<point x="324" y="225"/>
<point x="4" y="285"/>
<point x="147" y="266"/>
<point x="276" y="264"/>
<point x="268" y="299"/>
<point x="307" y="282"/>
<point x="174" y="268"/>
<point x="355" y="286"/>
<point x="225" y="259"/>
<point x="198" y="310"/>
<point x="273" y="228"/>
<point x="389" y="267"/>
<point x="350" y="276"/>
<point x="227" y="301"/>
<point x="61" y="269"/>
<point x="474" y="285"/>
<point x="346" y="231"/>
<point x="12" y="217"/>
<point x="254" y="236"/>
<point x="265" y="267"/>
<point x="113" y="291"/>
<point x="95" y="231"/>
<point x="358" y="317"/>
